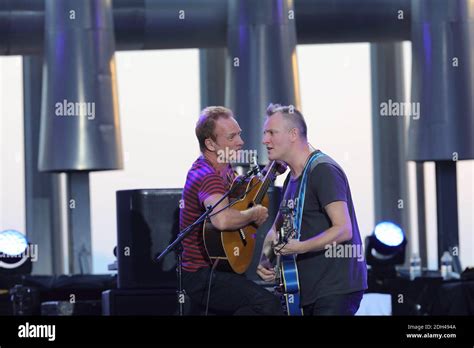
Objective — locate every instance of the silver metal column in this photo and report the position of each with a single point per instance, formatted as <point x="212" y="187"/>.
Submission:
<point x="443" y="85"/>
<point x="153" y="24"/>
<point x="261" y="64"/>
<point x="391" y="199"/>
<point x="79" y="122"/>
<point x="41" y="189"/>
<point x="443" y="80"/>
<point x="212" y="76"/>
<point x="80" y="129"/>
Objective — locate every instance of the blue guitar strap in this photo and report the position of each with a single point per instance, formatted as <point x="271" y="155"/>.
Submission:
<point x="302" y="191"/>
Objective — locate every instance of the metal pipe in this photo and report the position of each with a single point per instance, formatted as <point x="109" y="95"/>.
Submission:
<point x="261" y="64"/>
<point x="80" y="128"/>
<point x="212" y="76"/>
<point x="420" y="209"/>
<point x="388" y="134"/>
<point x="442" y="81"/>
<point x="40" y="199"/>
<point x="447" y="211"/>
<point x="336" y="21"/>
<point x="165" y="24"/>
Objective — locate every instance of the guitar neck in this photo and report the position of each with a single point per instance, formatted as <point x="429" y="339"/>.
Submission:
<point x="269" y="176"/>
<point x="277" y="264"/>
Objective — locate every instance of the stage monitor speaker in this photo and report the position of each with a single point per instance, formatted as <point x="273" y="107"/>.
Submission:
<point x="67" y="308"/>
<point x="144" y="302"/>
<point x="147" y="222"/>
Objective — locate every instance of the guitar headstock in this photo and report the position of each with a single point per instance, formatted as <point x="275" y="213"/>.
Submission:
<point x="274" y="168"/>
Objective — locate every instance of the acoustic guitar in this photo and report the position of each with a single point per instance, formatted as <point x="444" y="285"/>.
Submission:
<point x="234" y="249"/>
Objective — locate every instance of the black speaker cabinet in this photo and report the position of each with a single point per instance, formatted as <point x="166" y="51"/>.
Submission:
<point x="147" y="222"/>
<point x="142" y="302"/>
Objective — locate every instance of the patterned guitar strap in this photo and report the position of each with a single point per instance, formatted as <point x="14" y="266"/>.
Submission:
<point x="302" y="191"/>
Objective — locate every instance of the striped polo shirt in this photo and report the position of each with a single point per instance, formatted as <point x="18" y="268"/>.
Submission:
<point x="202" y="181"/>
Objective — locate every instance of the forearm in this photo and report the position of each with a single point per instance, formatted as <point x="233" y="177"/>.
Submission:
<point x="267" y="248"/>
<point x="337" y="234"/>
<point x="234" y="219"/>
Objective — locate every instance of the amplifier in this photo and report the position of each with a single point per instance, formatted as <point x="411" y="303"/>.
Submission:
<point x="147" y="222"/>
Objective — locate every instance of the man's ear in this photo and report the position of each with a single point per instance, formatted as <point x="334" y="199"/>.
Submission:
<point x="294" y="134"/>
<point x="209" y="144"/>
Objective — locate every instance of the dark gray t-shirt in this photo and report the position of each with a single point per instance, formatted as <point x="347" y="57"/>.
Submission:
<point x="338" y="269"/>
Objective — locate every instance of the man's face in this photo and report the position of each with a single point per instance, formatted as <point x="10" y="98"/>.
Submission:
<point x="277" y="137"/>
<point x="227" y="134"/>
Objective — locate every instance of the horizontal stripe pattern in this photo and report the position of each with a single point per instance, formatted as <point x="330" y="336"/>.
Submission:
<point x="202" y="181"/>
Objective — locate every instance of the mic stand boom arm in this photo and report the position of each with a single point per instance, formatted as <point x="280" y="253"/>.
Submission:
<point x="176" y="244"/>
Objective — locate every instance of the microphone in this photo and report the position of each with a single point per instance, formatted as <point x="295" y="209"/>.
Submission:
<point x="254" y="167"/>
<point x="254" y="170"/>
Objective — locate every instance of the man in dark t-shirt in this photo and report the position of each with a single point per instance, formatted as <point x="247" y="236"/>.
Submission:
<point x="330" y="260"/>
<point x="207" y="181"/>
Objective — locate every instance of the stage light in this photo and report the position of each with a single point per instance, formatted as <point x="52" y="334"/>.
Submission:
<point x="389" y="234"/>
<point x="385" y="248"/>
<point x="14" y="253"/>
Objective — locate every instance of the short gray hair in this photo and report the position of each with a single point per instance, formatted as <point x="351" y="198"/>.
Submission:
<point x="291" y="114"/>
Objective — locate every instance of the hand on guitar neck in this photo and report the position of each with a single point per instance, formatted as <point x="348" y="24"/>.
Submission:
<point x="260" y="214"/>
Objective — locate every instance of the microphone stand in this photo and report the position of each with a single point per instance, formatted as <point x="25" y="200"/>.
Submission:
<point x="178" y="247"/>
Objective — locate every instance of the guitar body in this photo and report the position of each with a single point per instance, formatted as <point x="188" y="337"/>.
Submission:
<point x="290" y="284"/>
<point x="234" y="249"/>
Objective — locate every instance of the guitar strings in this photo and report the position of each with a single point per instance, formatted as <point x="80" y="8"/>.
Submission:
<point x="284" y="244"/>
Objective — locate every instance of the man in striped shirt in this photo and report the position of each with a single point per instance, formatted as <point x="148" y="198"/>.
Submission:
<point x="207" y="181"/>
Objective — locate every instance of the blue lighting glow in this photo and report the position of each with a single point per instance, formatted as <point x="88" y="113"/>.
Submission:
<point x="12" y="242"/>
<point x="389" y="234"/>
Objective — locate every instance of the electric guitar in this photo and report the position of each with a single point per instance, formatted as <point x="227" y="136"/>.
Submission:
<point x="286" y="270"/>
<point x="234" y="249"/>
